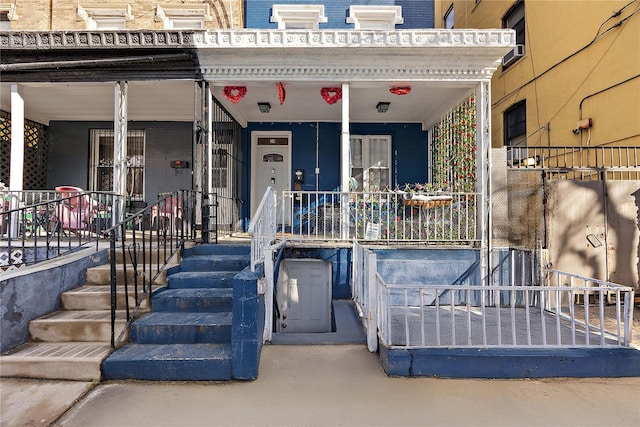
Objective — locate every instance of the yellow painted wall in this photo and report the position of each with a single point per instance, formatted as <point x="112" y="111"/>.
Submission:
<point x="573" y="50"/>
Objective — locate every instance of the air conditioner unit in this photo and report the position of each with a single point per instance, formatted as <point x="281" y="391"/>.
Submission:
<point x="513" y="55"/>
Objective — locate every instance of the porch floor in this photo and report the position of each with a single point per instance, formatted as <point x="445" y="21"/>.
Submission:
<point x="460" y="328"/>
<point x="349" y="329"/>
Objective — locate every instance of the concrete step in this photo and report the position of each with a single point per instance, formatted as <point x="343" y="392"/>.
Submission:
<point x="181" y="328"/>
<point x="173" y="362"/>
<point x="201" y="279"/>
<point x="215" y="263"/>
<point x="212" y="300"/>
<point x="221" y="249"/>
<point x="101" y="275"/>
<point x="77" y="361"/>
<point x="149" y="254"/>
<point x="76" y="325"/>
<point x="98" y="297"/>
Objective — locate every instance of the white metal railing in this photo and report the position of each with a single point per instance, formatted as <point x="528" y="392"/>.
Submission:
<point x="363" y="274"/>
<point x="618" y="162"/>
<point x="413" y="316"/>
<point x="262" y="229"/>
<point x="389" y="216"/>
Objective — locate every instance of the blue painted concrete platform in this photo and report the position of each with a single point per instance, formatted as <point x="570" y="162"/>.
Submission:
<point x="174" y="362"/>
<point x="511" y="363"/>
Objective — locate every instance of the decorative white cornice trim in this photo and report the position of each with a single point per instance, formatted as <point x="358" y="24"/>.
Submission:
<point x="232" y="39"/>
<point x="354" y="38"/>
<point x="345" y="73"/>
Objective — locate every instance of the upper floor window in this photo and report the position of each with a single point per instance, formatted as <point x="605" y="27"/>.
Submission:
<point x="191" y="17"/>
<point x="514" y="18"/>
<point x="448" y="18"/>
<point x="298" y="16"/>
<point x="375" y="17"/>
<point x="7" y="14"/>
<point x="515" y="132"/>
<point x="105" y="16"/>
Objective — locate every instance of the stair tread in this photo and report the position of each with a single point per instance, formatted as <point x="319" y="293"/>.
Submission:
<point x="95" y="289"/>
<point x="59" y="351"/>
<point x="81" y="315"/>
<point x="194" y="292"/>
<point x="205" y="273"/>
<point x="207" y="351"/>
<point x="183" y="318"/>
<point x="217" y="249"/>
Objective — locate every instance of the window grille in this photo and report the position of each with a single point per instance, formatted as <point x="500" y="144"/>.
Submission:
<point x="101" y="162"/>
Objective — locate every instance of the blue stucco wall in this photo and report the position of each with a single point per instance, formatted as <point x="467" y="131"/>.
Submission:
<point x="511" y="363"/>
<point x="408" y="149"/>
<point x="68" y="162"/>
<point x="27" y="295"/>
<point x="247" y="326"/>
<point x="416" y="13"/>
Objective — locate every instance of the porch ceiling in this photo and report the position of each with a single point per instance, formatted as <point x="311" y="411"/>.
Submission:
<point x="174" y="100"/>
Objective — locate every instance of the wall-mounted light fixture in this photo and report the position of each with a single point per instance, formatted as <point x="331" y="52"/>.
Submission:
<point x="383" y="107"/>
<point x="264" y="107"/>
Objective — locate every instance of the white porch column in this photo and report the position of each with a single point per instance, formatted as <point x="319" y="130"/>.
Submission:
<point x="345" y="167"/>
<point x="483" y="164"/>
<point x="208" y="161"/>
<point x="16" y="180"/>
<point x="120" y="148"/>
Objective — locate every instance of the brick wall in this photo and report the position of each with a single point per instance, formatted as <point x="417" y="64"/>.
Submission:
<point x="45" y="15"/>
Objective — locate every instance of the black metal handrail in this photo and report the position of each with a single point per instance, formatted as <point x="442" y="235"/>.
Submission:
<point x="36" y="232"/>
<point x="144" y="243"/>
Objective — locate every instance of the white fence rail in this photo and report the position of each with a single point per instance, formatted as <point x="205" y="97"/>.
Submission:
<point x="390" y="217"/>
<point x="567" y="311"/>
<point x="262" y="229"/>
<point x="620" y="163"/>
<point x="502" y="316"/>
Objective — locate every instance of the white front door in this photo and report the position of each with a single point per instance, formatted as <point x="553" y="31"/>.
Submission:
<point x="271" y="164"/>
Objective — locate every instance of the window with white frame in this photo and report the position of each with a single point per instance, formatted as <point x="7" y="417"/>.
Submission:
<point x="298" y="16"/>
<point x="101" y="161"/>
<point x="7" y="14"/>
<point x="105" y="16"/>
<point x="182" y="17"/>
<point x="370" y="162"/>
<point x="375" y="17"/>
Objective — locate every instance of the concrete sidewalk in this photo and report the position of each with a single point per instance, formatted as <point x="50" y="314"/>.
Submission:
<point x="324" y="385"/>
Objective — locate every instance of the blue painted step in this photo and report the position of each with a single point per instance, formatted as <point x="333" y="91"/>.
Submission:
<point x="174" y="362"/>
<point x="217" y="250"/>
<point x="201" y="279"/>
<point x="181" y="328"/>
<point x="215" y="262"/>
<point x="200" y="300"/>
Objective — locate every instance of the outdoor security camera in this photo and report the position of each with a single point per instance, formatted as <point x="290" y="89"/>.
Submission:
<point x="575" y="131"/>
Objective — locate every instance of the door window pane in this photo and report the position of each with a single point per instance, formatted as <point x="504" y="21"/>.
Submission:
<point x="370" y="162"/>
